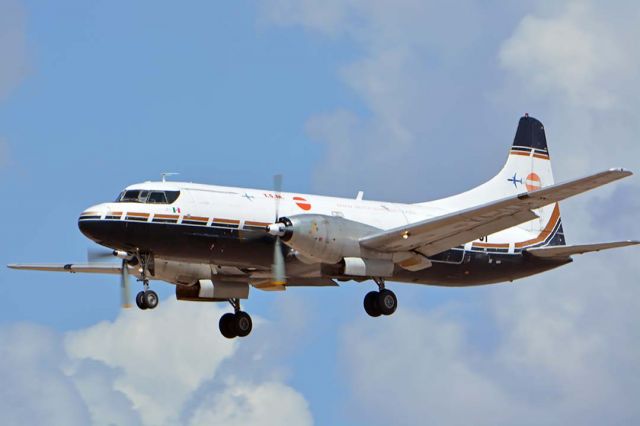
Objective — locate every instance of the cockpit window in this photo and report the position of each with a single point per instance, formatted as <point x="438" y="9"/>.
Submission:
<point x="157" y="197"/>
<point x="132" y="196"/>
<point x="172" y="196"/>
<point x="150" y="197"/>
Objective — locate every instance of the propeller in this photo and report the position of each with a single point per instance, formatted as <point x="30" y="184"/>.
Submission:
<point x="279" y="275"/>
<point x="125" y="291"/>
<point x="97" y="255"/>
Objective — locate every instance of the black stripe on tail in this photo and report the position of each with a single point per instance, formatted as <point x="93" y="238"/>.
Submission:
<point x="530" y="134"/>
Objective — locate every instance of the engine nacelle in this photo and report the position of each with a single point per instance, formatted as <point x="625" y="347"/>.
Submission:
<point x="325" y="239"/>
<point x="209" y="291"/>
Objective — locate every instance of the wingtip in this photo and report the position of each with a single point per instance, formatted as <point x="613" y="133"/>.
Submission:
<point x="621" y="170"/>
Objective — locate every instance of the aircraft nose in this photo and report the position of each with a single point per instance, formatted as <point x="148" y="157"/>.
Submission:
<point x="90" y="222"/>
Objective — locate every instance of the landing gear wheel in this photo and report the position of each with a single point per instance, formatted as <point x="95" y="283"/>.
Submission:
<point x="387" y="302"/>
<point x="227" y="325"/>
<point x="243" y="324"/>
<point x="371" y="304"/>
<point x="150" y="299"/>
<point x="140" y="300"/>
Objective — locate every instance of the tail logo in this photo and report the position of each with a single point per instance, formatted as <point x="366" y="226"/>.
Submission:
<point x="515" y="180"/>
<point x="533" y="182"/>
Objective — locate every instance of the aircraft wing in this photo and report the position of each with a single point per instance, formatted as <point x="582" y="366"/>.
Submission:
<point x="90" y="268"/>
<point x="556" y="252"/>
<point x="435" y="235"/>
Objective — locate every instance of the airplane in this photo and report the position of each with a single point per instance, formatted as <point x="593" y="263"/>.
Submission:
<point x="214" y="243"/>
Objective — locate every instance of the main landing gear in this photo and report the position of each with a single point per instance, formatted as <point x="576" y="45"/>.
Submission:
<point x="382" y="302"/>
<point x="146" y="299"/>
<point x="236" y="324"/>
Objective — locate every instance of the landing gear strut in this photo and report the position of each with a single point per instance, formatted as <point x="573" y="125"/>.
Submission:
<point x="382" y="302"/>
<point x="236" y="324"/>
<point x="146" y="299"/>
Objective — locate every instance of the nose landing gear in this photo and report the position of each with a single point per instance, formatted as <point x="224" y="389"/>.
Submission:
<point x="382" y="302"/>
<point x="146" y="299"/>
<point x="236" y="324"/>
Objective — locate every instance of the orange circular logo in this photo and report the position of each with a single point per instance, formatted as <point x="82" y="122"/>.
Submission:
<point x="533" y="182"/>
<point x="302" y="203"/>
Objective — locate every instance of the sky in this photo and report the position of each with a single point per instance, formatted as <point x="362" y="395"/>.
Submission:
<point x="407" y="100"/>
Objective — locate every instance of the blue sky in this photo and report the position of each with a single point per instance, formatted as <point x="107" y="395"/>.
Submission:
<point x="406" y="100"/>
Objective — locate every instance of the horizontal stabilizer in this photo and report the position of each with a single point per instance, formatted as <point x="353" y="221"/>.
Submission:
<point x="90" y="268"/>
<point x="566" y="251"/>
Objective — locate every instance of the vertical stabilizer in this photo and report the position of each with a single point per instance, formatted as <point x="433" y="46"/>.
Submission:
<point x="528" y="168"/>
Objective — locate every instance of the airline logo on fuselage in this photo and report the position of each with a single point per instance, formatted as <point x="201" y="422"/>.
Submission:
<point x="302" y="203"/>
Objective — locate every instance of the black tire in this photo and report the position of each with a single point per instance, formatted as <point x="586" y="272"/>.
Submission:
<point x="140" y="300"/>
<point x="227" y="325"/>
<point x="150" y="298"/>
<point x="387" y="302"/>
<point x="243" y="324"/>
<point x="371" y="304"/>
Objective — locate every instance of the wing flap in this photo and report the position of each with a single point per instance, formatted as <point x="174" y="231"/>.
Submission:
<point x="89" y="268"/>
<point x="444" y="232"/>
<point x="566" y="251"/>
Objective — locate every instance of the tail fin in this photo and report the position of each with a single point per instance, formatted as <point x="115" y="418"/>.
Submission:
<point x="530" y="163"/>
<point x="528" y="168"/>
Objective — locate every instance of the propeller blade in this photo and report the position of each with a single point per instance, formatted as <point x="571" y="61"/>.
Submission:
<point x="277" y="188"/>
<point x="278" y="268"/>
<point x="125" y="293"/>
<point x="98" y="254"/>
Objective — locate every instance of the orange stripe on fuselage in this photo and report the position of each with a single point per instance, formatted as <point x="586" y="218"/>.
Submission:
<point x="555" y="216"/>
<point x="230" y="221"/>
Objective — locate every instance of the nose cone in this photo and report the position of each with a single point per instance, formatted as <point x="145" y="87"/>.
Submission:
<point x="91" y="222"/>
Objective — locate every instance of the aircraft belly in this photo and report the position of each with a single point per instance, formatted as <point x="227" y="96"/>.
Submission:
<point x="477" y="268"/>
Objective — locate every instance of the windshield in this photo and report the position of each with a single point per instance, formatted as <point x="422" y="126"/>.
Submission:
<point x="150" y="197"/>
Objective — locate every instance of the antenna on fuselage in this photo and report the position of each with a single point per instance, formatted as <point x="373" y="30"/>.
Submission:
<point x="165" y="174"/>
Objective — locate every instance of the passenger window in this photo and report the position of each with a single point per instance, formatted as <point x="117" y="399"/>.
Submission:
<point x="157" y="198"/>
<point x="143" y="196"/>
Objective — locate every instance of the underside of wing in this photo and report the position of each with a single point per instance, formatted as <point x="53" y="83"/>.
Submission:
<point x="556" y="252"/>
<point x="89" y="268"/>
<point x="433" y="236"/>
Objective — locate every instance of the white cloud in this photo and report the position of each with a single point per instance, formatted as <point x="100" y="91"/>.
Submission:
<point x="160" y="367"/>
<point x="34" y="388"/>
<point x="268" y="403"/>
<point x="399" y="43"/>
<point x="163" y="357"/>
<point x="12" y="45"/>
<point x="580" y="63"/>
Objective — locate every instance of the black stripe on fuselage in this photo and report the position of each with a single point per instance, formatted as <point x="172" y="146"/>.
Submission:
<point x="193" y="222"/>
<point x="243" y="248"/>
<point x="224" y="225"/>
<point x="159" y="220"/>
<point x="137" y="219"/>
